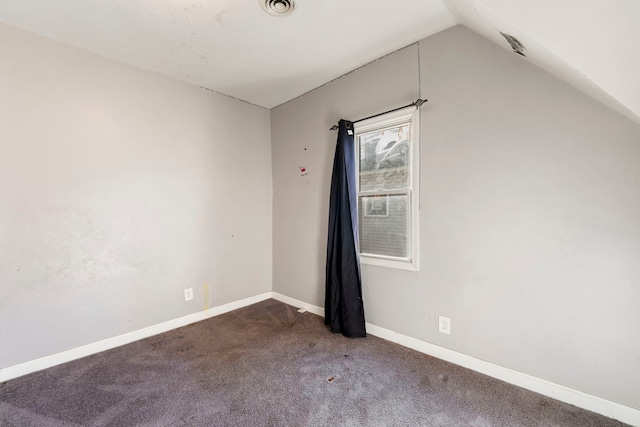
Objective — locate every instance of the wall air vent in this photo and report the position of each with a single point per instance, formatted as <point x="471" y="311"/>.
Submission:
<point x="278" y="8"/>
<point x="515" y="44"/>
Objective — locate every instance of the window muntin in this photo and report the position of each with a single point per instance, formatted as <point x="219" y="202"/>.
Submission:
<point x="387" y="189"/>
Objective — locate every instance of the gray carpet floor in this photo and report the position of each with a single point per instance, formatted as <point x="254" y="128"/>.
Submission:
<point x="268" y="365"/>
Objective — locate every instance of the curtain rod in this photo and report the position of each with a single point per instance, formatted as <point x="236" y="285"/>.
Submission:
<point x="417" y="103"/>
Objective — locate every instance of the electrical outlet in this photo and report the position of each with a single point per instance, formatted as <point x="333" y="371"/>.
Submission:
<point x="444" y="325"/>
<point x="188" y="294"/>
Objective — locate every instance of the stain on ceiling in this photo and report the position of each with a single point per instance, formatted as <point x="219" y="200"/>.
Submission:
<point x="234" y="47"/>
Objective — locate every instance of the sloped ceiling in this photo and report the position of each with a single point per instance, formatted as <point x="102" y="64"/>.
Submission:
<point x="234" y="47"/>
<point x="590" y="44"/>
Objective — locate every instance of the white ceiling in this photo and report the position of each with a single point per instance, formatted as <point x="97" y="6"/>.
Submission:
<point x="234" y="47"/>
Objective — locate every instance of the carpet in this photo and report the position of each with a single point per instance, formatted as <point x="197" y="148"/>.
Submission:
<point x="268" y="365"/>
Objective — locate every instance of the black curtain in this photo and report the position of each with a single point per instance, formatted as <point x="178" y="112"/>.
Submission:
<point x="343" y="308"/>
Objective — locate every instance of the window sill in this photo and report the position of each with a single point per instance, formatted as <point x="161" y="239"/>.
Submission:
<point x="389" y="263"/>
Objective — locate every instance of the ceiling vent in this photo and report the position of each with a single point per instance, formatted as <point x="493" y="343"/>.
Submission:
<point x="278" y="8"/>
<point x="515" y="44"/>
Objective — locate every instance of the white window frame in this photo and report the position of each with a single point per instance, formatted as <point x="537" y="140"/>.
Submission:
<point x="409" y="114"/>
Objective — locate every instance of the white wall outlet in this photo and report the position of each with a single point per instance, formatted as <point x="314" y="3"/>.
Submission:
<point x="188" y="294"/>
<point x="444" y="325"/>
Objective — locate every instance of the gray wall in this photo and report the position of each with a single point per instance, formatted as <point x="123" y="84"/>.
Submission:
<point x="119" y="188"/>
<point x="529" y="220"/>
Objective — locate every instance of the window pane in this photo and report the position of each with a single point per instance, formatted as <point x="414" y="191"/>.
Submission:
<point x="383" y="225"/>
<point x="384" y="158"/>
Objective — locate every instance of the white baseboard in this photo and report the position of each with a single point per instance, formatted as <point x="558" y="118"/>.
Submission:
<point x="559" y="392"/>
<point x="15" y="371"/>
<point x="556" y="391"/>
<point x="296" y="303"/>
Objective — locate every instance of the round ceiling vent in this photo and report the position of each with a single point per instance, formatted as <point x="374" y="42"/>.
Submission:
<point x="278" y="7"/>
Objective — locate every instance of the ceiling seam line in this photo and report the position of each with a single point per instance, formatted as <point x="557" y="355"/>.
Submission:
<point x="234" y="98"/>
<point x="346" y="74"/>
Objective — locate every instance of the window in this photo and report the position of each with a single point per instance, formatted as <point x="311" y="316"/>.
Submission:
<point x="387" y="182"/>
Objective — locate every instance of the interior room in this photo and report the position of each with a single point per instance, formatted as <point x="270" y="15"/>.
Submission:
<point x="166" y="163"/>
